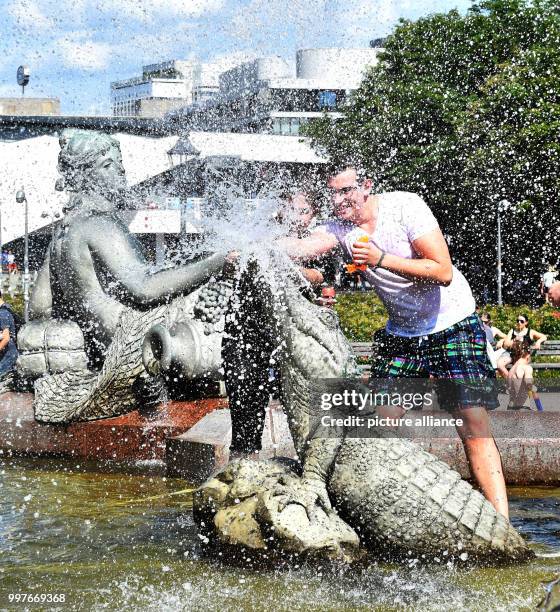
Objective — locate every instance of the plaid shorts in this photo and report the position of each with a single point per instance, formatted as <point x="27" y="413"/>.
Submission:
<point x="457" y="353"/>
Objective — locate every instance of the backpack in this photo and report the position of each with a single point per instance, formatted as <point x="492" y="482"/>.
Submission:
<point x="18" y="321"/>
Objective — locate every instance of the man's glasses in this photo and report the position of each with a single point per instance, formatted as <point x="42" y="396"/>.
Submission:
<point x="343" y="191"/>
<point x="521" y="321"/>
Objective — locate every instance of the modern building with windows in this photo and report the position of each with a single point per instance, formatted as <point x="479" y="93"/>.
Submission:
<point x="161" y="88"/>
<point x="272" y="95"/>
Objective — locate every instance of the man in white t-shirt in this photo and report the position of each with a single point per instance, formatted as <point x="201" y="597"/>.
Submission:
<point x="548" y="279"/>
<point x="433" y="330"/>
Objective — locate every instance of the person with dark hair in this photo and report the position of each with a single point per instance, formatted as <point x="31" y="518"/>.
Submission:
<point x="8" y="347"/>
<point x="525" y="334"/>
<point x="433" y="330"/>
<point x="298" y="214"/>
<point x="547" y="280"/>
<point x="520" y="376"/>
<point x="247" y="348"/>
<point x="491" y="333"/>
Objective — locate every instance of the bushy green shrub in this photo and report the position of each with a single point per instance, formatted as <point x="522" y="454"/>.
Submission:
<point x="15" y="302"/>
<point x="362" y="313"/>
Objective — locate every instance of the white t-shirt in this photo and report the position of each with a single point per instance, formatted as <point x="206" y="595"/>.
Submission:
<point x="549" y="278"/>
<point x="415" y="308"/>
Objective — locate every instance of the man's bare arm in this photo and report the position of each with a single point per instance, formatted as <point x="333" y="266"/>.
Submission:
<point x="318" y="243"/>
<point x="432" y="266"/>
<point x="315" y="277"/>
<point x="4" y="339"/>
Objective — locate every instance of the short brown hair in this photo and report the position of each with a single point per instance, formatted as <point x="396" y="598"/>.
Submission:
<point x="347" y="163"/>
<point x="518" y="349"/>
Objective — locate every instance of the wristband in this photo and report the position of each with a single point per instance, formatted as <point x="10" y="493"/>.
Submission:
<point x="380" y="261"/>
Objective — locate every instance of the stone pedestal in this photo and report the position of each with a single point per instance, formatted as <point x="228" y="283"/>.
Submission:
<point x="130" y="437"/>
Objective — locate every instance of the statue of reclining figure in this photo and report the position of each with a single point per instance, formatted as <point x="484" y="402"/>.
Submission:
<point x="96" y="275"/>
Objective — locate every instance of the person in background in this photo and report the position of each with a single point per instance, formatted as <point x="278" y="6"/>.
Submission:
<point x="554" y="295"/>
<point x="548" y="279"/>
<point x="298" y="213"/>
<point x="12" y="266"/>
<point x="4" y="261"/>
<point x="249" y="349"/>
<point x="520" y="376"/>
<point x="530" y="337"/>
<point x="492" y="333"/>
<point x="8" y="347"/>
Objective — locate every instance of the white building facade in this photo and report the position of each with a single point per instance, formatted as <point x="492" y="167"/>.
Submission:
<point x="161" y="88"/>
<point x="272" y="95"/>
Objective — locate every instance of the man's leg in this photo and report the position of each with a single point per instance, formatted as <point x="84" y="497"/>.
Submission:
<point x="246" y="351"/>
<point x="459" y="353"/>
<point x="483" y="456"/>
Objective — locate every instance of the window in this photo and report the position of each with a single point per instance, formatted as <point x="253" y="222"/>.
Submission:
<point x="327" y="99"/>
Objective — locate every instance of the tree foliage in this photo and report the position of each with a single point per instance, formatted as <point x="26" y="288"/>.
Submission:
<point x="465" y="110"/>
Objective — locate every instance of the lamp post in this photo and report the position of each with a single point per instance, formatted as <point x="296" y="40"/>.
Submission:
<point x="503" y="205"/>
<point x="21" y="199"/>
<point x="1" y="245"/>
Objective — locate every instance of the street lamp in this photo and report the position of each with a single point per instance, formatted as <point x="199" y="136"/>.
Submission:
<point x="21" y="199"/>
<point x="1" y="245"/>
<point x="503" y="205"/>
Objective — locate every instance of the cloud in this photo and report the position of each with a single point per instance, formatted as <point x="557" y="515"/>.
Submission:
<point x="152" y="9"/>
<point x="78" y="51"/>
<point x="29" y="15"/>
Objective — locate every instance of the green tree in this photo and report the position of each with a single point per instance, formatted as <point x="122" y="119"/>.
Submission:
<point x="465" y="110"/>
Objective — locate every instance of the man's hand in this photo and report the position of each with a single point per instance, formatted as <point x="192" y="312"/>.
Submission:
<point x="231" y="263"/>
<point x="4" y="338"/>
<point x="365" y="253"/>
<point x="554" y="295"/>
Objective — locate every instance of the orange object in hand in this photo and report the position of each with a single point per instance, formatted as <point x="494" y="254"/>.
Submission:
<point x="353" y="268"/>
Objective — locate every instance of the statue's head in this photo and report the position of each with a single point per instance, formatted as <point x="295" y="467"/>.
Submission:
<point x="91" y="162"/>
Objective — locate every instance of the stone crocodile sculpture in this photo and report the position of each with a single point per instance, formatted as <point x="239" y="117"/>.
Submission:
<point x="400" y="499"/>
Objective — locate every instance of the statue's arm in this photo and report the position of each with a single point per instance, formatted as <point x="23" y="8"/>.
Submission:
<point x="109" y="243"/>
<point x="40" y="303"/>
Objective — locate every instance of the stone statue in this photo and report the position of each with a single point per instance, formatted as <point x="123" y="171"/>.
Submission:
<point x="398" y="498"/>
<point x="95" y="276"/>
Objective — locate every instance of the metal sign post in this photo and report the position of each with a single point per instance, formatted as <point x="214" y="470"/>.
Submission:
<point x="21" y="199"/>
<point x="23" y="75"/>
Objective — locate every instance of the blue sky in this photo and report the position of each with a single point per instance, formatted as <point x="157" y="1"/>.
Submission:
<point x="75" y="48"/>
